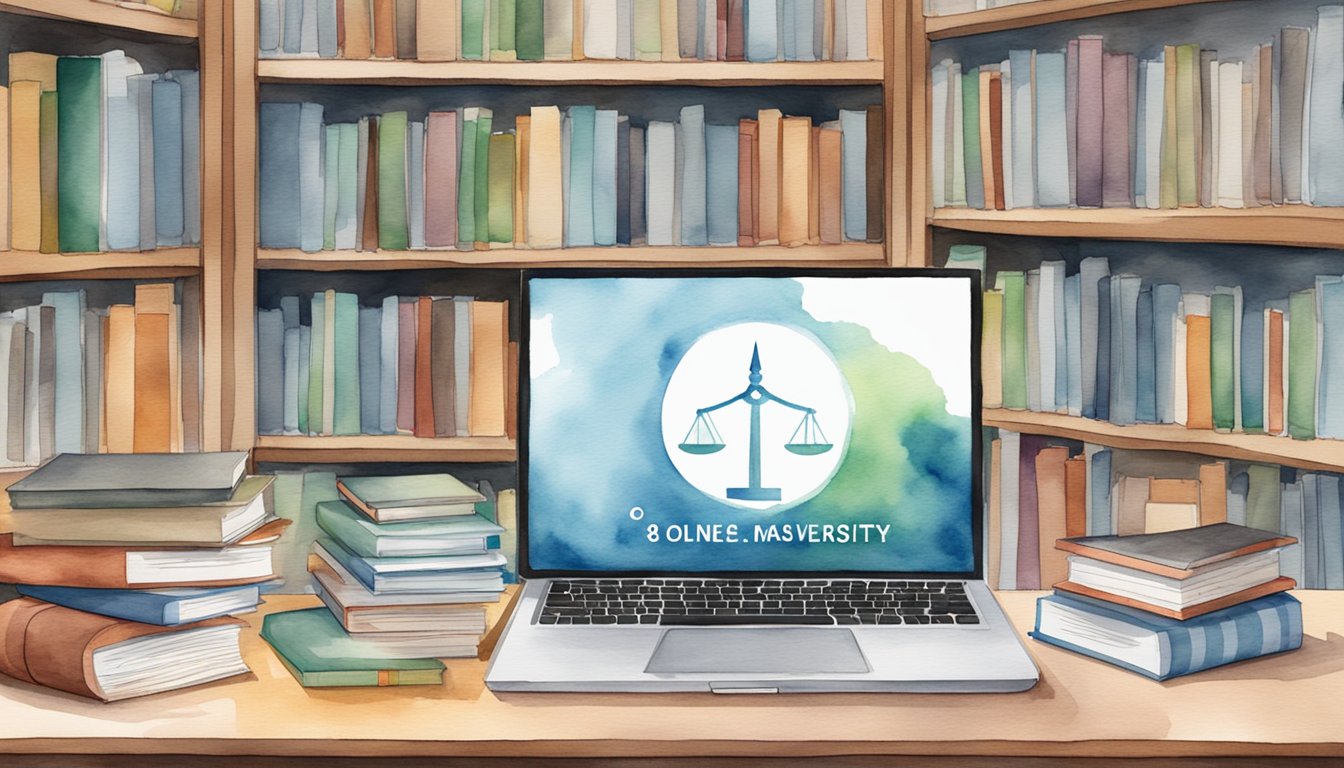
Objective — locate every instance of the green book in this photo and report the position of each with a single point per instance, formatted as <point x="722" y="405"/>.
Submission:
<point x="970" y="120"/>
<point x="470" y="534"/>
<point x="315" y="355"/>
<point x="1169" y="196"/>
<point x="1263" y="498"/>
<point x="1014" y="339"/>
<point x="482" y="179"/>
<point x="466" y="179"/>
<point x="393" y="234"/>
<point x="503" y="29"/>
<point x="319" y="653"/>
<point x="346" y="360"/>
<point x="473" y="29"/>
<point x="967" y="257"/>
<point x="79" y="81"/>
<point x="648" y="31"/>
<point x="1222" y="359"/>
<point x="410" y="497"/>
<point x="501" y="188"/>
<point x="530" y="33"/>
<point x="331" y="185"/>
<point x="1187" y="124"/>
<point x="1302" y="364"/>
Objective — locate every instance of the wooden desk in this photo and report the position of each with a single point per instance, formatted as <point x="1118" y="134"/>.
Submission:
<point x="1290" y="705"/>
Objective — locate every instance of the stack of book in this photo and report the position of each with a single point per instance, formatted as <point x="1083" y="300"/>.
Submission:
<point x="572" y="177"/>
<point x="566" y="30"/>
<point x="117" y="379"/>
<point x="99" y="156"/>
<point x="404" y="574"/>
<point x="425" y="366"/>
<point x="130" y="568"/>
<point x="1169" y="604"/>
<point x="1191" y="127"/>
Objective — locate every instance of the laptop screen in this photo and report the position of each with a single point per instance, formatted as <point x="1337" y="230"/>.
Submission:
<point x="744" y="422"/>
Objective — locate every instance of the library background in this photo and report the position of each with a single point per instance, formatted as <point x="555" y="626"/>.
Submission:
<point x="297" y="266"/>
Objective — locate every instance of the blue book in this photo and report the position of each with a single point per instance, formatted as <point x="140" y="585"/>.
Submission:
<point x="721" y="183"/>
<point x="69" y="346"/>
<point x="1271" y="624"/>
<point x="1166" y="306"/>
<point x="326" y="29"/>
<point x="162" y="607"/>
<point x="1073" y="340"/>
<point x="853" y="170"/>
<point x="292" y="34"/>
<point x="1091" y="271"/>
<point x="421" y="574"/>
<point x="1146" y="405"/>
<point x="1099" y="494"/>
<point x="293" y="343"/>
<point x="1313" y="569"/>
<point x="1252" y="369"/>
<point x="761" y="18"/>
<point x="1332" y="533"/>
<point x="604" y="177"/>
<point x="1052" y="146"/>
<point x="331" y="174"/>
<point x="122" y="153"/>
<point x="278" y="175"/>
<point x="312" y="193"/>
<point x="1330" y="382"/>
<point x="270" y="372"/>
<point x="289" y="310"/>
<point x="1326" y="129"/>
<point x="140" y="93"/>
<point x="1124" y="348"/>
<point x="694" y="227"/>
<point x="1291" y="524"/>
<point x="268" y="26"/>
<point x="1102" y="404"/>
<point x="190" y="80"/>
<point x="579" y="194"/>
<point x="370" y="368"/>
<point x="1023" y="145"/>
<point x="415" y="183"/>
<point x="308" y="31"/>
<point x="805" y="30"/>
<point x="387" y="369"/>
<point x="168" y="160"/>
<point x="788" y="34"/>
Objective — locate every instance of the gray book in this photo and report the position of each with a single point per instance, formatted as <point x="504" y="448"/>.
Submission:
<point x="415" y="182"/>
<point x="1294" y="46"/>
<point x="289" y="309"/>
<point x="1073" y="345"/>
<point x="1032" y="302"/>
<point x="443" y="363"/>
<point x="1124" y="349"/>
<point x="305" y="351"/>
<point x="292" y="31"/>
<point x="1181" y="550"/>
<point x="623" y="180"/>
<point x="1052" y="146"/>
<point x="168" y="163"/>
<point x="93" y="378"/>
<point x="406" y="43"/>
<point x="370" y="368"/>
<point x="20" y="352"/>
<point x="721" y="183"/>
<point x="46" y="384"/>
<point x="293" y="343"/>
<point x="462" y="363"/>
<point x="311" y="188"/>
<point x="327" y="46"/>
<point x="1091" y="271"/>
<point x="625" y="46"/>
<point x="688" y="16"/>
<point x="1146" y="391"/>
<point x="639" y="230"/>
<point x="190" y="346"/>
<point x="331" y="174"/>
<point x="1290" y="523"/>
<point x="694" y="224"/>
<point x="387" y="369"/>
<point x="67" y="347"/>
<point x="308" y="28"/>
<point x="347" y="179"/>
<point x="268" y="27"/>
<point x="190" y="80"/>
<point x="141" y="90"/>
<point x="1332" y="533"/>
<point x="1166" y="306"/>
<point x="278" y="175"/>
<point x="122" y="481"/>
<point x="270" y="372"/>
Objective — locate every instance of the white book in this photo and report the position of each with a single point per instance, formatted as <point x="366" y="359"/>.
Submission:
<point x="600" y="29"/>
<point x="938" y="160"/>
<point x="711" y="29"/>
<point x="625" y="40"/>
<point x="1214" y="111"/>
<point x="1049" y="302"/>
<point x="957" y="184"/>
<point x="1229" y="135"/>
<point x="1307" y="197"/>
<point x="1175" y="594"/>
<point x="1022" y="139"/>
<point x="660" y="178"/>
<point x="120" y="225"/>
<point x="1010" y="456"/>
<point x="6" y="337"/>
<point x="1006" y="71"/>
<point x="1154" y="94"/>
<point x="415" y="183"/>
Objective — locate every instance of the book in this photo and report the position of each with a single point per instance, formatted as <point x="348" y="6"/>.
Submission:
<point x="130" y="480"/>
<point x="207" y="525"/>
<point x="112" y="659"/>
<point x="409" y="497"/>
<point x="1159" y="647"/>
<point x="163" y="607"/>
<point x="440" y="573"/>
<point x="358" y="610"/>
<point x="318" y="652"/>
<point x="448" y="536"/>
<point x="1176" y="554"/>
<point x="413" y="643"/>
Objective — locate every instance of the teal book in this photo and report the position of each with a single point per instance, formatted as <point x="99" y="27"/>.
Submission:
<point x="315" y="364"/>
<point x="168" y="178"/>
<point x="604" y="177"/>
<point x="1222" y="373"/>
<point x="346" y="360"/>
<point x="970" y="120"/>
<point x="345" y="231"/>
<point x="277" y="175"/>
<point x="1014" y="339"/>
<point x="473" y="29"/>
<point x="311" y="190"/>
<point x="404" y="497"/>
<point x="967" y="257"/>
<point x="331" y="179"/>
<point x="579" y="194"/>
<point x="69" y="327"/>
<point x="393" y="234"/>
<point x="466" y="180"/>
<point x="317" y="650"/>
<point x="721" y="145"/>
<point x="270" y="371"/>
<point x="1330" y="409"/>
<point x="79" y="112"/>
<point x="481" y="182"/>
<point x="1302" y="364"/>
<point x="473" y="534"/>
<point x="1252" y="369"/>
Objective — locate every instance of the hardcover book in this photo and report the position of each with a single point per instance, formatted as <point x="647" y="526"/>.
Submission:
<point x="130" y="480"/>
<point x="318" y="652"/>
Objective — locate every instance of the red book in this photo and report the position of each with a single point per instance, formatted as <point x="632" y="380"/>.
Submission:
<point x="721" y="30"/>
<point x="385" y="29"/>
<point x="736" y="47"/>
<point x="1075" y="496"/>
<point x="441" y="180"/>
<point x="1028" y="515"/>
<point x="424" y="378"/>
<point x="996" y="136"/>
<point x="1274" y="419"/>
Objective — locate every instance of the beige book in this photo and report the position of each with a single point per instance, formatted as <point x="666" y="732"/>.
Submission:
<point x="1212" y="493"/>
<point x="119" y="379"/>
<point x="994" y="554"/>
<point x="987" y="167"/>
<point x="578" y="31"/>
<point x="359" y="30"/>
<point x="667" y="20"/>
<point x="1160" y="517"/>
<point x="875" y="22"/>
<point x="991" y="350"/>
<point x="767" y="225"/>
<point x="814" y="188"/>
<point x="545" y="207"/>
<point x="795" y="164"/>
<point x="435" y="30"/>
<point x="1130" y="503"/>
<point x="489" y="340"/>
<point x="30" y="65"/>
<point x="829" y="186"/>
<point x="4" y="168"/>
<point x="522" y="137"/>
<point x="827" y="30"/>
<point x="1051" y="510"/>
<point x="1170" y="490"/>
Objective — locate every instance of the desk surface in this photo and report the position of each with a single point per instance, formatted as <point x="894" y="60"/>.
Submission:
<point x="1286" y="705"/>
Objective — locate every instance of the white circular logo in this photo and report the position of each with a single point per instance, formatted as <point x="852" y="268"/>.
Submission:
<point x="757" y="415"/>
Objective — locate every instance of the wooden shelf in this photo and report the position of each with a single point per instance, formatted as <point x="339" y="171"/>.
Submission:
<point x="1031" y="14"/>
<point x="165" y="262"/>
<point x="1299" y="225"/>
<point x="105" y="13"/>
<point x="1325" y="455"/>
<point x="850" y="254"/>
<point x="360" y="448"/>
<point x="589" y="72"/>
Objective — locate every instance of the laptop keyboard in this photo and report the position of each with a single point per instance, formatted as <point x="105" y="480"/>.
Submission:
<point x="716" y="602"/>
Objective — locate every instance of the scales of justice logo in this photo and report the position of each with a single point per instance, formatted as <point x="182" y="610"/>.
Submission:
<point x="769" y="413"/>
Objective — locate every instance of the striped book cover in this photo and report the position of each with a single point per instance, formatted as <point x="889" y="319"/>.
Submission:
<point x="1162" y="648"/>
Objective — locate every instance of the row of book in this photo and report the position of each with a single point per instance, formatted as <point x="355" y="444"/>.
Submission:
<point x="566" y="30"/>
<point x="1192" y="127"/>
<point x="1042" y="489"/>
<point x="97" y="155"/>
<point x="425" y="366"/>
<point x="182" y="9"/>
<point x="131" y="569"/>
<point x="575" y="177"/>
<point x="118" y="379"/>
<point x="1117" y="348"/>
<point x="405" y="570"/>
<point x="1169" y="604"/>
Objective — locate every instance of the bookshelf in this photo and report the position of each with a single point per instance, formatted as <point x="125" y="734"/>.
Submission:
<point x="107" y="14"/>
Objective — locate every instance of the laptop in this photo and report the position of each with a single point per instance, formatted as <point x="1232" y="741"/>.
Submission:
<point x="757" y="481"/>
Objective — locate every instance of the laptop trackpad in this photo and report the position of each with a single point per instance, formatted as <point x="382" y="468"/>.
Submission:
<point x="781" y="650"/>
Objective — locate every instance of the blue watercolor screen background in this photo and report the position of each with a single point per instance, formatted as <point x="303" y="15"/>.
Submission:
<point x="595" y="448"/>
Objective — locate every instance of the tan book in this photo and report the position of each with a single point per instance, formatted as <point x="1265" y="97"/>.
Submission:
<point x="747" y="183"/>
<point x="104" y="323"/>
<point x="767" y="158"/>
<point x="159" y="298"/>
<point x="119" y="379"/>
<point x="1160" y="517"/>
<point x="4" y="168"/>
<point x="50" y="179"/>
<point x="1130" y="505"/>
<point x="384" y="29"/>
<point x="829" y="190"/>
<point x="814" y="187"/>
<point x="25" y="167"/>
<point x="991" y="350"/>
<point x="489" y="341"/>
<point x="875" y="27"/>
<point x="1051" y="511"/>
<point x="424" y="379"/>
<point x="1212" y="493"/>
<point x="33" y="66"/>
<point x="522" y="139"/>
<point x="359" y="30"/>
<point x="828" y="30"/>
<point x="152" y="383"/>
<point x="667" y="21"/>
<point x="436" y="30"/>
<point x="1171" y="490"/>
<point x="1075" y="496"/>
<point x="987" y="167"/>
<point x="1274" y="371"/>
<point x="1199" y="396"/>
<point x="992" y="557"/>
<point x="577" y="27"/>
<point x="545" y="198"/>
<point x="795" y="163"/>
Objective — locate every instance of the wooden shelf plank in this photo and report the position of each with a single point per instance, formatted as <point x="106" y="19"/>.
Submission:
<point x="589" y="72"/>
<point x="1031" y="14"/>
<point x="105" y="13"/>
<point x="1300" y="225"/>
<point x="1326" y="455"/>
<point x="165" y="262"/>
<point x="850" y="254"/>
<point x="361" y="448"/>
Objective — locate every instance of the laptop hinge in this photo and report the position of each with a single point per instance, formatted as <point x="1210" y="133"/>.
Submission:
<point x="737" y="688"/>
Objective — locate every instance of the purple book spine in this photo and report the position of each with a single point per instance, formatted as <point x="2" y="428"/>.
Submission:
<point x="1090" y="122"/>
